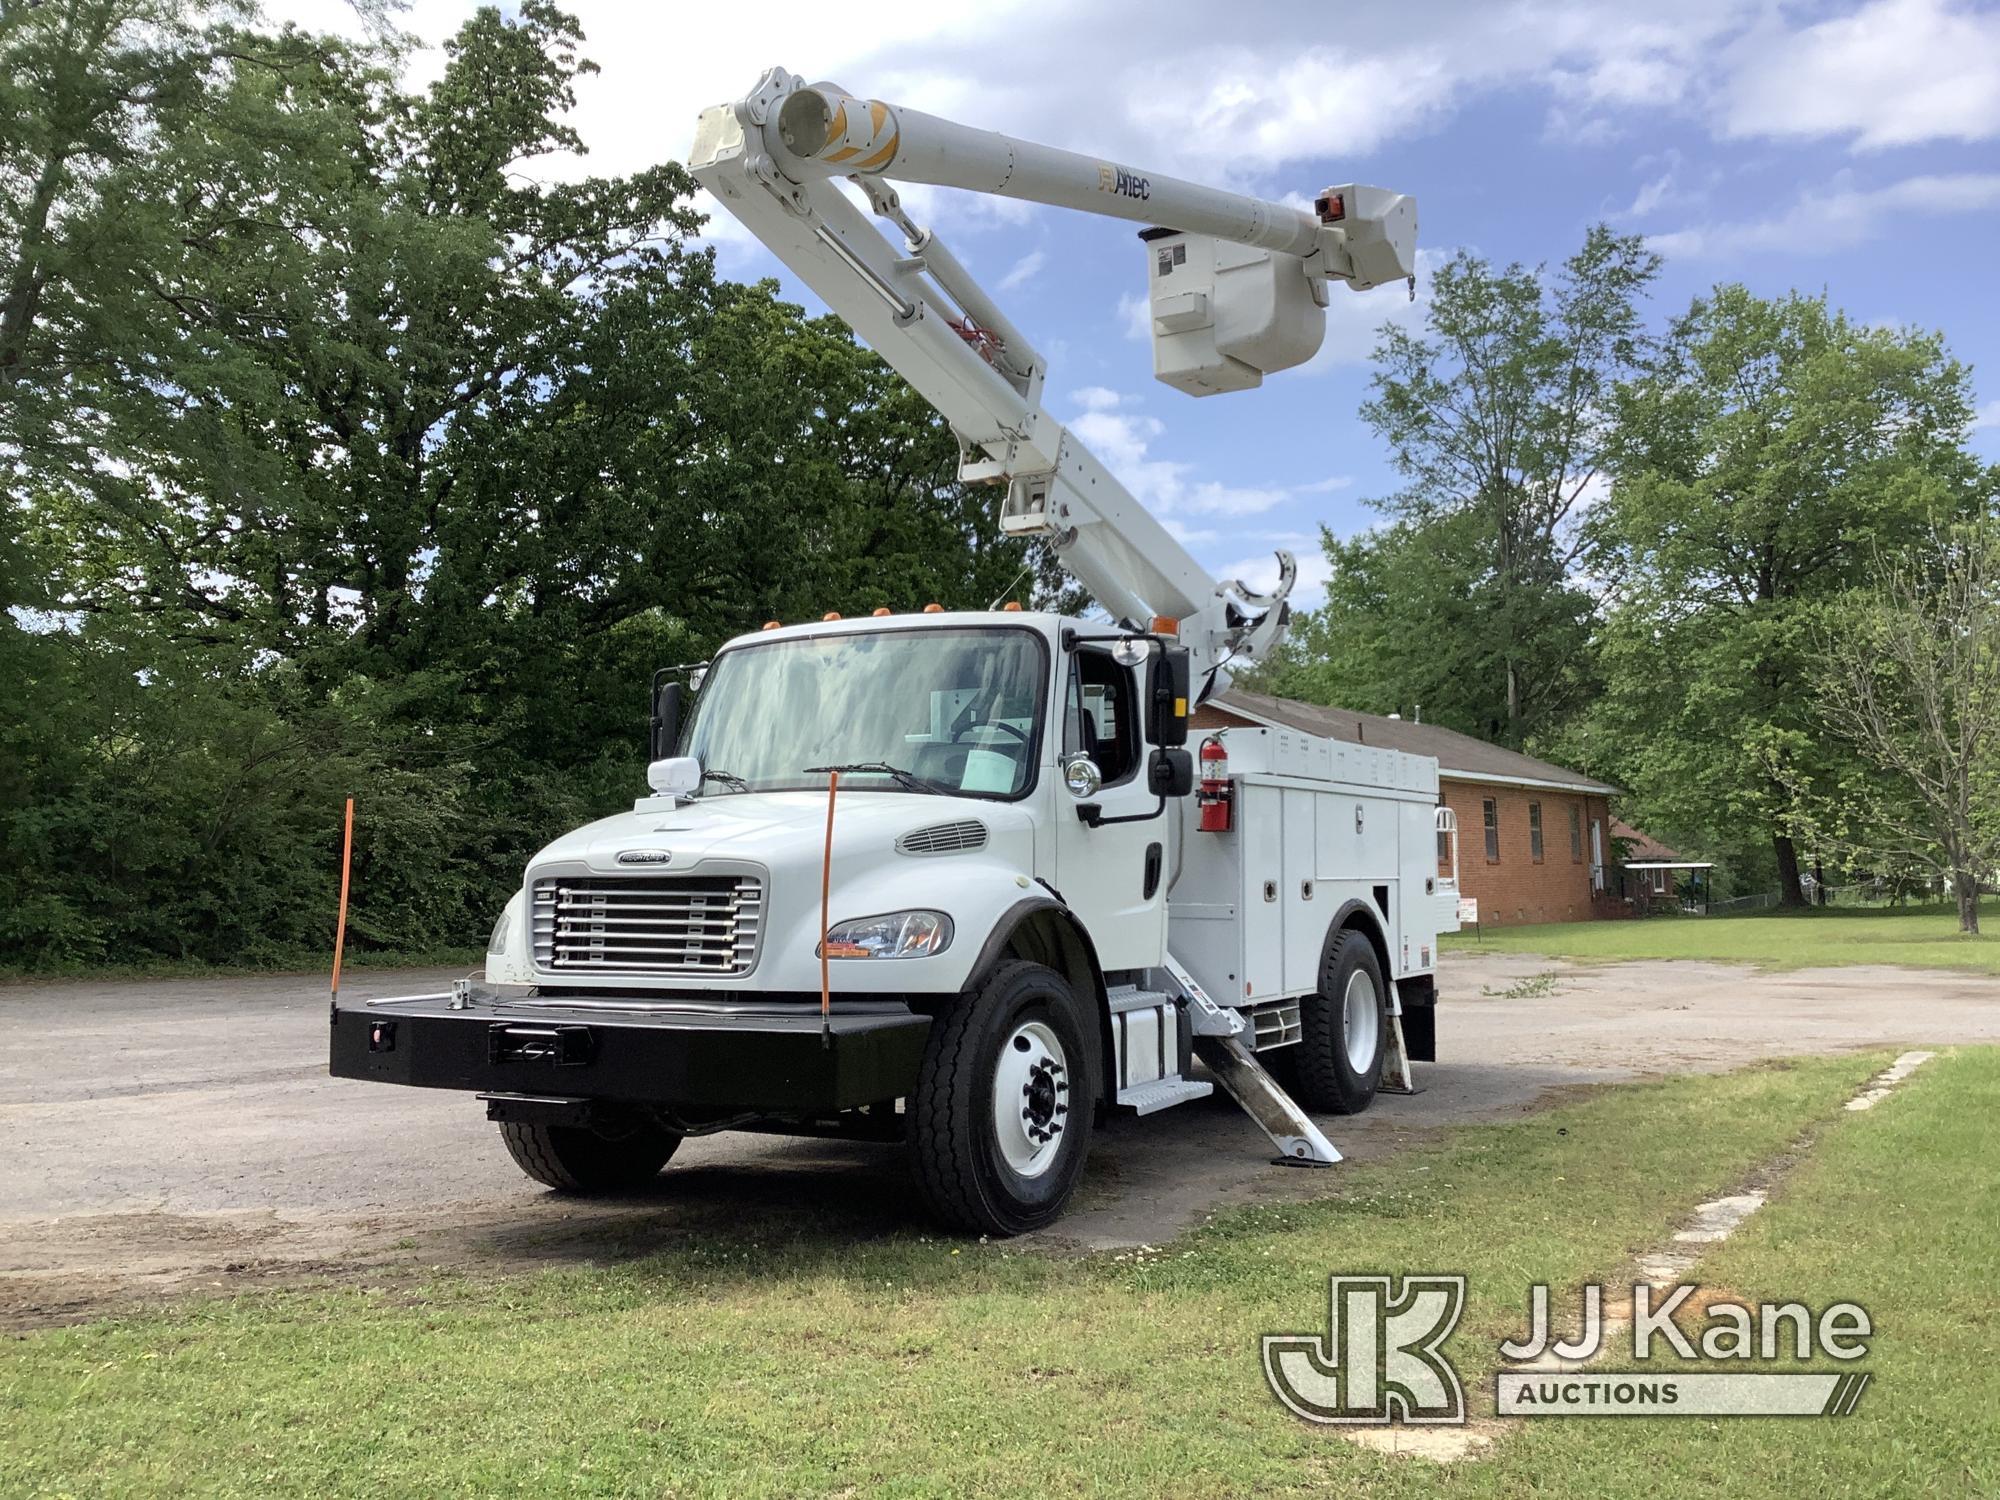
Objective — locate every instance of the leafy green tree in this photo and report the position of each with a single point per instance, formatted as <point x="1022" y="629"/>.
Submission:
<point x="1496" y="414"/>
<point x="1409" y="626"/>
<point x="1775" y="451"/>
<point x="345" y="457"/>
<point x="1911" y="680"/>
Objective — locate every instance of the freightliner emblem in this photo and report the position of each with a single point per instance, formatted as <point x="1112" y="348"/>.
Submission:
<point x="644" y="856"/>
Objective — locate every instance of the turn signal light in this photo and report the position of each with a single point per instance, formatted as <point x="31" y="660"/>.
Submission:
<point x="1165" y="625"/>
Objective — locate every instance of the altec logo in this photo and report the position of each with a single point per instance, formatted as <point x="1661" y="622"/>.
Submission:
<point x="1381" y="1359"/>
<point x="1125" y="184"/>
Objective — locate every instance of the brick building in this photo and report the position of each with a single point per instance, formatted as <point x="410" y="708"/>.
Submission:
<point x="1534" y="839"/>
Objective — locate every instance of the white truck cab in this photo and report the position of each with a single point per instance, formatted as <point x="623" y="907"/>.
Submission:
<point x="968" y="880"/>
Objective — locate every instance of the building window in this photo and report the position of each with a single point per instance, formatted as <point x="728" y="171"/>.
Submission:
<point x="1492" y="813"/>
<point x="1575" y="834"/>
<point x="1535" y="831"/>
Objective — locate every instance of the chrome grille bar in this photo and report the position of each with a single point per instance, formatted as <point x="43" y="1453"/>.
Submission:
<point x="654" y="924"/>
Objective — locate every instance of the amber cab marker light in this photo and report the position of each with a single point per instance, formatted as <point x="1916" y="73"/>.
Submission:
<point x="1163" y="625"/>
<point x="880" y="610"/>
<point x="832" y="614"/>
<point x="933" y="609"/>
<point x="770" y="625"/>
<point x="1012" y="607"/>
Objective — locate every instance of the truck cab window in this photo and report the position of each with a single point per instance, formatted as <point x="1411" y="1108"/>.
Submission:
<point x="1100" y="719"/>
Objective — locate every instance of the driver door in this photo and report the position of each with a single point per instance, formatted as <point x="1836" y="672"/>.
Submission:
<point x="1113" y="876"/>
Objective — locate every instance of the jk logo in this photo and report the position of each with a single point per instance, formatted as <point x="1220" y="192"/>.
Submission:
<point x="1380" y="1360"/>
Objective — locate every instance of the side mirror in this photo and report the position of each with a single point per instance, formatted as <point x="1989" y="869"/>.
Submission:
<point x="668" y="697"/>
<point x="1167" y="688"/>
<point x="1170" y="773"/>
<point x="675" y="776"/>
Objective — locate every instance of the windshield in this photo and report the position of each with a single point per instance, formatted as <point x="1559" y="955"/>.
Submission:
<point x="958" y="710"/>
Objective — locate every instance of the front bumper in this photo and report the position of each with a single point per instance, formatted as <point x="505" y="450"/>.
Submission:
<point x="695" y="1059"/>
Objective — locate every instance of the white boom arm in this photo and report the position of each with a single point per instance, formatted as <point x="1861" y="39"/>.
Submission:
<point x="771" y="159"/>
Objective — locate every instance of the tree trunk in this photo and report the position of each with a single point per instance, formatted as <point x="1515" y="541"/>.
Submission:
<point x="1790" y="892"/>
<point x="1968" y="901"/>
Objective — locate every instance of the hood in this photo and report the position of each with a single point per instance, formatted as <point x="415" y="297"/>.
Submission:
<point x="772" y="828"/>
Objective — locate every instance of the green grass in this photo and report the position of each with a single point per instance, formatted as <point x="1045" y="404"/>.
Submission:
<point x="1921" y="937"/>
<point x="783" y="1357"/>
<point x="1896" y="1209"/>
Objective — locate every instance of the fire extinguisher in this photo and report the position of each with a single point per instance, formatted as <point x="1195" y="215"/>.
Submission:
<point x="1214" y="797"/>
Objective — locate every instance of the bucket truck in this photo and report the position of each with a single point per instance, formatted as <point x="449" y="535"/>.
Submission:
<point x="956" y="878"/>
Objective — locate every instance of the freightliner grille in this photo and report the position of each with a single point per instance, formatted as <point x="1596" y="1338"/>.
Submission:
<point x="656" y="924"/>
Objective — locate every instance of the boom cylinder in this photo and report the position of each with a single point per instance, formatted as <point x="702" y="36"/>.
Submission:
<point x="827" y="132"/>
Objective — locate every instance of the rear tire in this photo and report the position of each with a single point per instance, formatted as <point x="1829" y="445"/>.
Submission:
<point x="1344" y="1029"/>
<point x="1000" y="1122"/>
<point x="581" y="1159"/>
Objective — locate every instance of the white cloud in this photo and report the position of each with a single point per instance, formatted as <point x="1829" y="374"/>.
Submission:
<point x="1097" y="398"/>
<point x="1023" y="270"/>
<point x="1135" y="315"/>
<point x="1839" y="216"/>
<point x="1327" y="485"/>
<point x="1986" y="416"/>
<point x="1666" y="186"/>
<point x="1892" y="73"/>
<point x="1122" y="438"/>
<point x="1162" y="96"/>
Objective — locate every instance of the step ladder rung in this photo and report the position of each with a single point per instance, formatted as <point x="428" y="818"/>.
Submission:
<point x="1164" y="1093"/>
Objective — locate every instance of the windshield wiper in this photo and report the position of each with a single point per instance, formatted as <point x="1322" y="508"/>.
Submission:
<point x="728" y="778"/>
<point x="908" y="780"/>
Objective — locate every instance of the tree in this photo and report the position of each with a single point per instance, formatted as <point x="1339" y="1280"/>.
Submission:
<point x="1409" y="628"/>
<point x="348" y="458"/>
<point x="1776" y="450"/>
<point x="1910" y="677"/>
<point x="1497" y="416"/>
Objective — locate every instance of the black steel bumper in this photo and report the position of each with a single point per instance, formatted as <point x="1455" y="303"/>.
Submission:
<point x="697" y="1061"/>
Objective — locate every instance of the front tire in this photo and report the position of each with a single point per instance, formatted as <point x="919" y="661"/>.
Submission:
<point x="582" y="1159"/>
<point x="1000" y="1122"/>
<point x="1344" y="1029"/>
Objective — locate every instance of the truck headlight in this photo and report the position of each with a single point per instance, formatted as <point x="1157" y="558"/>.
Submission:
<point x="502" y="930"/>
<point x="896" y="934"/>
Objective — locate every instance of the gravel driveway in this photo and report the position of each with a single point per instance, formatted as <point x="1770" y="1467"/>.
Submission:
<point x="183" y="1135"/>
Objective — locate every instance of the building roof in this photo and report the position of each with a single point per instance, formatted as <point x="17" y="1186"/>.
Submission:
<point x="1642" y="847"/>
<point x="1459" y="756"/>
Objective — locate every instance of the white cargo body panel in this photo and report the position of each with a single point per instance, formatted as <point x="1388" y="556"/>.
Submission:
<point x="1317" y="825"/>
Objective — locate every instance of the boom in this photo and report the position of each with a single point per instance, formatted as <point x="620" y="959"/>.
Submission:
<point x="1252" y="283"/>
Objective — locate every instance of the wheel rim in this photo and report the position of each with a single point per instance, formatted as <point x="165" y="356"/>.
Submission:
<point x="1030" y="1098"/>
<point x="1360" y="1021"/>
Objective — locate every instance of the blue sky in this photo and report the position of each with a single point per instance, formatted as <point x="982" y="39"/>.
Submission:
<point x="1848" y="147"/>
